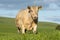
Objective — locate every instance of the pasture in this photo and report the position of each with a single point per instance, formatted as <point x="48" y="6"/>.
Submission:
<point x="46" y="31"/>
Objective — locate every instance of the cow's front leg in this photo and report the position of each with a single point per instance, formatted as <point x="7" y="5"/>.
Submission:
<point x="18" y="29"/>
<point x="35" y="29"/>
<point x="23" y="30"/>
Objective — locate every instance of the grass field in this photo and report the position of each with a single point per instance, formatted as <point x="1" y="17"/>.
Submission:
<point x="46" y="31"/>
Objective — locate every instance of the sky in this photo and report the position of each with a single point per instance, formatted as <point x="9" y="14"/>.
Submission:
<point x="50" y="11"/>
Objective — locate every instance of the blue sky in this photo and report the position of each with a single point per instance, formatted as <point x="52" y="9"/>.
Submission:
<point x="50" y="11"/>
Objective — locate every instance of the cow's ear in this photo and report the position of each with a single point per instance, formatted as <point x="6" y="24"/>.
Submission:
<point x="29" y="7"/>
<point x="39" y="7"/>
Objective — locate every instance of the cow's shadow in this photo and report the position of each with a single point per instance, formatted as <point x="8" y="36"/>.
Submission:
<point x="58" y="27"/>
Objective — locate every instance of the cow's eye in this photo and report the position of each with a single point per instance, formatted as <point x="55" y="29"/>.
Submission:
<point x="30" y="11"/>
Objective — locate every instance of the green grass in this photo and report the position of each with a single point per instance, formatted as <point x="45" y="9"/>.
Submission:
<point x="46" y="31"/>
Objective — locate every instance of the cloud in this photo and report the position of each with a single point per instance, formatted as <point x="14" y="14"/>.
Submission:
<point x="50" y="1"/>
<point x="53" y="6"/>
<point x="15" y="4"/>
<point x="8" y="13"/>
<point x="56" y="18"/>
<point x="1" y="5"/>
<point x="49" y="4"/>
<point x="20" y="4"/>
<point x="49" y="15"/>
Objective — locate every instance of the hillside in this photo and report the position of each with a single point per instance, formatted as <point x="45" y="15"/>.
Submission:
<point x="46" y="31"/>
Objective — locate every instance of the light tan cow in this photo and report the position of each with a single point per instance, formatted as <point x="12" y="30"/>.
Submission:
<point x="27" y="19"/>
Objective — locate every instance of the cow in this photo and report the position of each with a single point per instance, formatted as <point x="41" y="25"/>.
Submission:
<point x="27" y="19"/>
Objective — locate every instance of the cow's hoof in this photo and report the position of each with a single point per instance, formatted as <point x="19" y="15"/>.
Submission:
<point x="35" y="32"/>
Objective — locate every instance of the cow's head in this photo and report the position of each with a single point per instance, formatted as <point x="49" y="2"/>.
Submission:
<point x="33" y="10"/>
